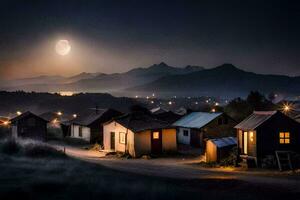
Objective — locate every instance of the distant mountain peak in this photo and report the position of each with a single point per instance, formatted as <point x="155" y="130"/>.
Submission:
<point x="160" y="65"/>
<point x="228" y="68"/>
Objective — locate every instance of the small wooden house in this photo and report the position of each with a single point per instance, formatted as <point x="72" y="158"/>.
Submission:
<point x="264" y="132"/>
<point x="139" y="134"/>
<point x="89" y="127"/>
<point x="169" y="117"/>
<point x="220" y="148"/>
<point x="29" y="125"/>
<point x="193" y="128"/>
<point x="56" y="129"/>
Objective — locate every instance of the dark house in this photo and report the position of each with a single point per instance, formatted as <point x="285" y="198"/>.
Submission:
<point x="194" y="128"/>
<point x="29" y="125"/>
<point x="56" y="129"/>
<point x="89" y="127"/>
<point x="264" y="132"/>
<point x="169" y="117"/>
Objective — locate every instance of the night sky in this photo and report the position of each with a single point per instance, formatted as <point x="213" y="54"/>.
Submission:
<point x="115" y="36"/>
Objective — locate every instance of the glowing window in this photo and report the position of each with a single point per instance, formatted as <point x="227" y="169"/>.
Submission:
<point x="155" y="135"/>
<point x="122" y="138"/>
<point x="251" y="135"/>
<point x="284" y="137"/>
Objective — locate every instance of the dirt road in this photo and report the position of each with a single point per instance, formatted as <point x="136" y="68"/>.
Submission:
<point x="182" y="168"/>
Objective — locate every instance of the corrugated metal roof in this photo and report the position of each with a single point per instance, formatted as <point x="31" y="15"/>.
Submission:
<point x="196" y="119"/>
<point x="255" y="120"/>
<point x="226" y="141"/>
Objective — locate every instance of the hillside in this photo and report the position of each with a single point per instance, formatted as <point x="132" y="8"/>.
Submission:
<point x="225" y="80"/>
<point x="43" y="102"/>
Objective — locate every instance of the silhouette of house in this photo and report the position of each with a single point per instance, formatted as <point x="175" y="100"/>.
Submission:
<point x="264" y="132"/>
<point x="29" y="125"/>
<point x="139" y="134"/>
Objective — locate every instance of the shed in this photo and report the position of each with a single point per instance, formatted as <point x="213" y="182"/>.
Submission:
<point x="218" y="149"/>
<point x="29" y="125"/>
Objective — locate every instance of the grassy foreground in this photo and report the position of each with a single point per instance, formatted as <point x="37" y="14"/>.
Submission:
<point x="23" y="176"/>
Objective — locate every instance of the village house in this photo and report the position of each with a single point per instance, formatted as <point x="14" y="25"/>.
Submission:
<point x="264" y="132"/>
<point x="139" y="134"/>
<point x="195" y="127"/>
<point x="169" y="117"/>
<point x="29" y="125"/>
<point x="56" y="129"/>
<point x="89" y="127"/>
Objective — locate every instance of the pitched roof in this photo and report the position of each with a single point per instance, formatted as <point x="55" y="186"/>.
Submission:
<point x="196" y="119"/>
<point x="26" y="114"/>
<point x="86" y="120"/>
<point x="169" y="117"/>
<point x="138" y="122"/>
<point x="158" y="110"/>
<point x="255" y="120"/>
<point x="223" y="142"/>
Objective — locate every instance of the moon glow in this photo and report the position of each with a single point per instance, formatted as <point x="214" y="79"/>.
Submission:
<point x="63" y="47"/>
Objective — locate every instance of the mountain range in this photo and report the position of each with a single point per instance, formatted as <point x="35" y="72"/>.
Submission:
<point x="164" y="80"/>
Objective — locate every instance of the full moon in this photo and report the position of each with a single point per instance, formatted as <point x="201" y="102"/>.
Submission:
<point x="63" y="47"/>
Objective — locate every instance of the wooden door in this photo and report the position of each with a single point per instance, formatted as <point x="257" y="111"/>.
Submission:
<point x="156" y="142"/>
<point x="112" y="140"/>
<point x="245" y="143"/>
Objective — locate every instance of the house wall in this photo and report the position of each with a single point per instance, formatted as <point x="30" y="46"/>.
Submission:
<point x="216" y="130"/>
<point x="211" y="152"/>
<point x="184" y="139"/>
<point x="86" y="132"/>
<point x="169" y="142"/>
<point x="117" y="129"/>
<point x="142" y="143"/>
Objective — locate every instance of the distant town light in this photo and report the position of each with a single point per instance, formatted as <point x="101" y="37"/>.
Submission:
<point x="74" y="115"/>
<point x="136" y="96"/>
<point x="55" y="121"/>
<point x="59" y="113"/>
<point x="170" y="102"/>
<point x="213" y="110"/>
<point x="196" y="102"/>
<point x="6" y="123"/>
<point x="147" y="97"/>
<point x="152" y="101"/>
<point x="206" y="101"/>
<point x="286" y="108"/>
<point x="19" y="113"/>
<point x="216" y="103"/>
<point x="153" y="95"/>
